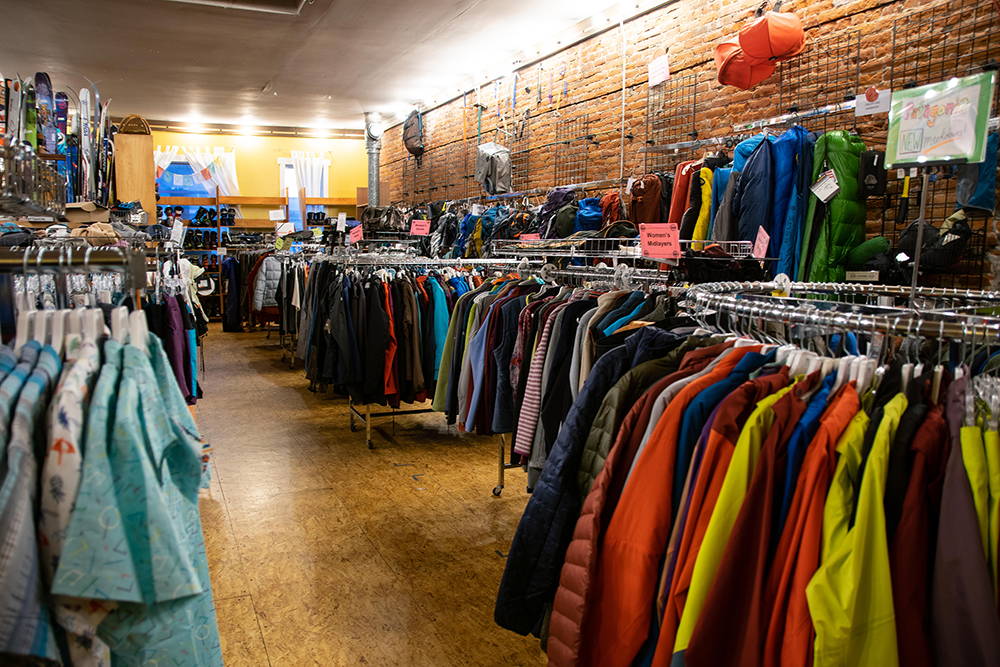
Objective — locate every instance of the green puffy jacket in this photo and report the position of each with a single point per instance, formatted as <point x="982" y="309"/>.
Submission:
<point x="833" y="229"/>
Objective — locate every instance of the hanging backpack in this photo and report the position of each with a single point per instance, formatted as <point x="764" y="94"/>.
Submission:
<point x="413" y="134"/>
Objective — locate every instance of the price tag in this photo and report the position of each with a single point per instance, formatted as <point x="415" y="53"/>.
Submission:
<point x="222" y="251"/>
<point x="529" y="237"/>
<point x="341" y="222"/>
<point x="760" y="245"/>
<point x="660" y="241"/>
<point x="420" y="227"/>
<point x="276" y="215"/>
<point x="317" y="233"/>
<point x="826" y="187"/>
<point x="279" y="243"/>
<point x="357" y="234"/>
<point x="177" y="232"/>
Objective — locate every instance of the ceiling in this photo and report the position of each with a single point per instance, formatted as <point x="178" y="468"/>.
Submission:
<point x="320" y="68"/>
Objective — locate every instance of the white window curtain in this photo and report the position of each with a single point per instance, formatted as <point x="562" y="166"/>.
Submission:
<point x="163" y="157"/>
<point x="312" y="172"/>
<point x="217" y="167"/>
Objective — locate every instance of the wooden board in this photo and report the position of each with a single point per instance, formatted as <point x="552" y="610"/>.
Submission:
<point x="187" y="201"/>
<point x="135" y="171"/>
<point x="253" y="201"/>
<point x="331" y="201"/>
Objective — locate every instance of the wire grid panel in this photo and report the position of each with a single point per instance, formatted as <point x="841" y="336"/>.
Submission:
<point x="519" y="143"/>
<point x="573" y="141"/>
<point x="931" y="44"/>
<point x="948" y="39"/>
<point x="671" y="110"/>
<point x="423" y="170"/>
<point x="828" y="72"/>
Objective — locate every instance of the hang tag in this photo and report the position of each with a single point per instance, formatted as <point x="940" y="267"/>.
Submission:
<point x="341" y="222"/>
<point x="177" y="232"/>
<point x="826" y="187"/>
<point x="529" y="237"/>
<point x="104" y="296"/>
<point x="761" y="244"/>
<point x="221" y="251"/>
<point x="357" y="234"/>
<point x="900" y="174"/>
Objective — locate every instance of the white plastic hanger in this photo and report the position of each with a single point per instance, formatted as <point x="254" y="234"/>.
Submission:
<point x="119" y="324"/>
<point x="23" y="330"/>
<point x="58" y="336"/>
<point x="40" y="326"/>
<point x="138" y="329"/>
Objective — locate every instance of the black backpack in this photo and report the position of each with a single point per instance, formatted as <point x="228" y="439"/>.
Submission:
<point x="413" y="134"/>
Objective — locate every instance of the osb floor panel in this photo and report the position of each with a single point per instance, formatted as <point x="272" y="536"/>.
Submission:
<point x="323" y="552"/>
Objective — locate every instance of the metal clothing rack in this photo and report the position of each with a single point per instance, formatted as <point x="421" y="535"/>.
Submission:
<point x="847" y="307"/>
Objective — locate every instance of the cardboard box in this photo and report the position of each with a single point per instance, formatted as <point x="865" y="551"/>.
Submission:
<point x="86" y="212"/>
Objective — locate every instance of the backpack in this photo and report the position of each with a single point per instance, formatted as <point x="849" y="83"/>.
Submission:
<point x="413" y="134"/>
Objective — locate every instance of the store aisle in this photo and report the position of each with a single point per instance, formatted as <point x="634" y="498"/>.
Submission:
<point x="323" y="552"/>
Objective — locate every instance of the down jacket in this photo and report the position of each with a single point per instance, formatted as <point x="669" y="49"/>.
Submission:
<point x="834" y="229"/>
<point x="536" y="554"/>
<point x="265" y="286"/>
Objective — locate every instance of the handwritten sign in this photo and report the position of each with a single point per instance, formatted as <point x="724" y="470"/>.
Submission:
<point x="660" y="241"/>
<point x="530" y="237"/>
<point x="760" y="245"/>
<point x="940" y="122"/>
<point x="420" y="227"/>
<point x="357" y="234"/>
<point x="659" y="70"/>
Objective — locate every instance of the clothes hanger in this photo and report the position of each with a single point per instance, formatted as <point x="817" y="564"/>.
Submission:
<point x="138" y="329"/>
<point x="119" y="324"/>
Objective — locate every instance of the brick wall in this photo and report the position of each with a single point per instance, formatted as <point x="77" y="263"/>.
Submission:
<point x="850" y="46"/>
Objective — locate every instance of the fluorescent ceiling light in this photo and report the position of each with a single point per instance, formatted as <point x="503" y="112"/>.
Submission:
<point x="287" y="7"/>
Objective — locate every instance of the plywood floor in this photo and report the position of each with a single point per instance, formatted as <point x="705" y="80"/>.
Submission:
<point x="325" y="553"/>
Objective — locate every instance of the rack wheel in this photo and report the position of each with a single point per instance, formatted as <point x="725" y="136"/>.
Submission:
<point x="371" y="445"/>
<point x="497" y="490"/>
<point x="354" y="429"/>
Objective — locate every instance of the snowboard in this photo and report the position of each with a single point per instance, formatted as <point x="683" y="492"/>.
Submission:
<point x="30" y="130"/>
<point x="3" y="109"/>
<point x="87" y="183"/>
<point x="45" y="113"/>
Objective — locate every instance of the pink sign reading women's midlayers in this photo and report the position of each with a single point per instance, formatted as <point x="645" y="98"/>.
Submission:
<point x="660" y="241"/>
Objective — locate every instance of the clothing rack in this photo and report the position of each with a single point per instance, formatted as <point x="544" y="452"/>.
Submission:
<point x="772" y="301"/>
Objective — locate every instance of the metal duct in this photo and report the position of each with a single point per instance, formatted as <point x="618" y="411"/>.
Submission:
<point x="373" y="144"/>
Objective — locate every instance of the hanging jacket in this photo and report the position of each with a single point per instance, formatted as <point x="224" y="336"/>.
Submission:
<point x="266" y="284"/>
<point x="833" y="229"/>
<point x="752" y="203"/>
<point x="789" y="251"/>
<point x="536" y="554"/>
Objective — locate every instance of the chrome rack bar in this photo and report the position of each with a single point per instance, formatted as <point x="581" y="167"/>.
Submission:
<point x="795" y="116"/>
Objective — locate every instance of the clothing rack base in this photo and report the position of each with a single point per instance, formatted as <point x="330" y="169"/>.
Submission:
<point x="502" y="465"/>
<point x="366" y="418"/>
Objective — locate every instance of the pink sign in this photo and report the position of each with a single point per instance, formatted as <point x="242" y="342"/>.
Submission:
<point x="356" y="234"/>
<point x="530" y="237"/>
<point x="420" y="228"/>
<point x="760" y="245"/>
<point x="660" y="241"/>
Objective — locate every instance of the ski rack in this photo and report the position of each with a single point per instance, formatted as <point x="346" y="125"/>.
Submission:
<point x="28" y="185"/>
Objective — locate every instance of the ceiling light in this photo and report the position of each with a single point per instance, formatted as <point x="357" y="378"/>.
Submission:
<point x="288" y="7"/>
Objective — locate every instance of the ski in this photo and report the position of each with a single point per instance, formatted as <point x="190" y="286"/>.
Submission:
<point x="30" y="129"/>
<point x="87" y="189"/>
<point x="45" y="115"/>
<point x="62" y="146"/>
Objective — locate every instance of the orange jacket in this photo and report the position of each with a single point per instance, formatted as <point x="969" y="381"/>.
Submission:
<point x="629" y="563"/>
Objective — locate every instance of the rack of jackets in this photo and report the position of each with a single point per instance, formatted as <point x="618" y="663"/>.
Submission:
<point x="828" y="502"/>
<point x="103" y="559"/>
<point x="765" y="187"/>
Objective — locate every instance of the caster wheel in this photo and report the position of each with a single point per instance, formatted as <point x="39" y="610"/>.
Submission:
<point x="497" y="490"/>
<point x="354" y="429"/>
<point x="371" y="445"/>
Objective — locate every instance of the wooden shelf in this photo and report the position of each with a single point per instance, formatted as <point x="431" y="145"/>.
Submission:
<point x="258" y="223"/>
<point x="254" y="201"/>
<point x="331" y="201"/>
<point x="187" y="201"/>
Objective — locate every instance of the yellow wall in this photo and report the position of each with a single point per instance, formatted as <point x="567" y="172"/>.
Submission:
<point x="257" y="159"/>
